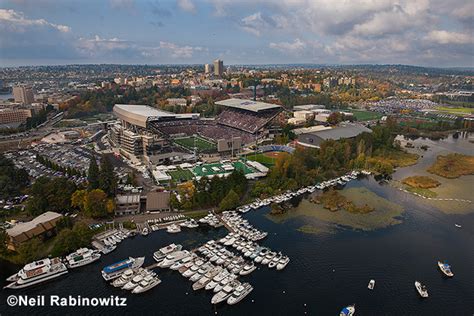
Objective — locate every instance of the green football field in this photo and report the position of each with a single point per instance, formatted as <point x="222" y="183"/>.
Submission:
<point x="206" y="170"/>
<point x="200" y="143"/>
<point x="365" y="115"/>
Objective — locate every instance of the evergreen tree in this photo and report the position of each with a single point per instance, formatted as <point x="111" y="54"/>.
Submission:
<point x="107" y="180"/>
<point x="93" y="174"/>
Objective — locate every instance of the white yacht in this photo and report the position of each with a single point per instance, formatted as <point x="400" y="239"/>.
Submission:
<point x="145" y="231"/>
<point x="173" y="229"/>
<point x="371" y="284"/>
<point x="239" y="293"/>
<point x="225" y="293"/>
<point x="268" y="257"/>
<point x="81" y="257"/>
<point x="130" y="285"/>
<point x="202" y="282"/>
<point x="283" y="263"/>
<point x="227" y="280"/>
<point x="173" y="257"/>
<point x="203" y="270"/>
<point x="422" y="290"/>
<point x="37" y="272"/>
<point x="126" y="276"/>
<point x="181" y="262"/>
<point x="146" y="284"/>
<point x="273" y="263"/>
<point x="247" y="269"/>
<point x="217" y="279"/>
<point x="445" y="268"/>
<point x="163" y="252"/>
<point x="114" y="271"/>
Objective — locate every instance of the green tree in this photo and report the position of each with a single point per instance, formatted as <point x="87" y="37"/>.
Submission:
<point x="95" y="204"/>
<point x="50" y="195"/>
<point x="107" y="180"/>
<point x="30" y="250"/>
<point x="93" y="174"/>
<point x="230" y="201"/>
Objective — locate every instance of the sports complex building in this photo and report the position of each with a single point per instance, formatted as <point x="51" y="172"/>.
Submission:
<point x="156" y="135"/>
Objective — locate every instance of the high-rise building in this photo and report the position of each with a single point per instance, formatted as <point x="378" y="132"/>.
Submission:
<point x="218" y="67"/>
<point x="207" y="68"/>
<point x="23" y="94"/>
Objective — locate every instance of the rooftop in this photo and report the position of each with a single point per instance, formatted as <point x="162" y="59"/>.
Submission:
<point x="249" y="105"/>
<point x="37" y="221"/>
<point x="342" y="131"/>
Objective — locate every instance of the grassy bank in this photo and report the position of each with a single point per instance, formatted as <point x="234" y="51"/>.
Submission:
<point x="453" y="166"/>
<point x="333" y="201"/>
<point x="397" y="158"/>
<point x="421" y="191"/>
<point x="421" y="182"/>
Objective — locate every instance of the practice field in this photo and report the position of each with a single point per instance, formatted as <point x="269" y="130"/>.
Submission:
<point x="216" y="168"/>
<point x="267" y="159"/>
<point x="200" y="143"/>
<point x="180" y="175"/>
<point x="365" y="115"/>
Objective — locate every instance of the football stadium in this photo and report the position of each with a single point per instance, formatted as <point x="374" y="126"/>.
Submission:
<point x="240" y="123"/>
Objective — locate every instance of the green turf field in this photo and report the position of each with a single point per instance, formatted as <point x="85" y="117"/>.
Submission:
<point x="179" y="175"/>
<point x="263" y="159"/>
<point x="201" y="143"/>
<point x="365" y="115"/>
<point x="455" y="110"/>
<point x="206" y="170"/>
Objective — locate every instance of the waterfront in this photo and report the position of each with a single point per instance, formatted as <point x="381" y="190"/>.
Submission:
<point x="326" y="272"/>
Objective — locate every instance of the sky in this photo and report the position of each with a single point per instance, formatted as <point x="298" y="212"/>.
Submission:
<point x="413" y="32"/>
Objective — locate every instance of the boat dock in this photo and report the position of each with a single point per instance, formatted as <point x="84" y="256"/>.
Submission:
<point x="230" y="229"/>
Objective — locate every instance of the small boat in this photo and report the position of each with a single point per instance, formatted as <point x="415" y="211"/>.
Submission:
<point x="124" y="278"/>
<point x="225" y="293"/>
<point x="422" y="290"/>
<point x="371" y="284"/>
<point x="145" y="231"/>
<point x="173" y="229"/>
<point x="445" y="268"/>
<point x="457" y="225"/>
<point x="283" y="263"/>
<point x="247" y="269"/>
<point x="348" y="310"/>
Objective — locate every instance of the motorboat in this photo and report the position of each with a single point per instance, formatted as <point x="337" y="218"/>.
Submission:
<point x="82" y="257"/>
<point x="124" y="278"/>
<point x="348" y="310"/>
<point x="422" y="290"/>
<point x="371" y="284"/>
<point x="173" y="229"/>
<point x="225" y="293"/>
<point x="239" y="293"/>
<point x="114" y="271"/>
<point x="217" y="279"/>
<point x="163" y="252"/>
<point x="37" y="272"/>
<point x="145" y="231"/>
<point x="173" y="257"/>
<point x="457" y="225"/>
<point x="130" y="285"/>
<point x="273" y="263"/>
<point x="445" y="268"/>
<point x="181" y="262"/>
<point x="282" y="263"/>
<point x="201" y="272"/>
<point x="227" y="280"/>
<point x="247" y="269"/>
<point x="146" y="284"/>
<point x="268" y="258"/>
<point x="194" y="269"/>
<point x="208" y="276"/>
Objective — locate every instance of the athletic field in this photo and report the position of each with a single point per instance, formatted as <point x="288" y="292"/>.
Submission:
<point x="180" y="175"/>
<point x="267" y="159"/>
<point x="216" y="168"/>
<point x="365" y="115"/>
<point x="200" y="143"/>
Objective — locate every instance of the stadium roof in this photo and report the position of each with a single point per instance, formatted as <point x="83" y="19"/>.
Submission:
<point x="249" y="105"/>
<point x="140" y="114"/>
<point x="343" y="131"/>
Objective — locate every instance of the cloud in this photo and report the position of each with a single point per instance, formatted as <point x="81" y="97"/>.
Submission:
<point x="257" y="23"/>
<point x="98" y="46"/>
<point x="177" y="51"/>
<point x="292" y="48"/>
<point x="187" y="5"/>
<point x="13" y="21"/>
<point x="446" y="37"/>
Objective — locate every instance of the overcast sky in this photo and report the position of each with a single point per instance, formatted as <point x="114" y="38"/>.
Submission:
<point x="415" y="32"/>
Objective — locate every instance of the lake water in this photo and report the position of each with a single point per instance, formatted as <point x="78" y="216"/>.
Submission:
<point x="328" y="270"/>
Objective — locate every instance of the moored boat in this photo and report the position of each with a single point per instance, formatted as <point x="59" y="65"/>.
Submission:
<point x="37" y="272"/>
<point x="422" y="290"/>
<point x="445" y="268"/>
<point x="82" y="257"/>
<point x="114" y="271"/>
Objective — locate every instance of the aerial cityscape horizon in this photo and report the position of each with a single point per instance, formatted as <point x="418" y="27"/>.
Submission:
<point x="423" y="32"/>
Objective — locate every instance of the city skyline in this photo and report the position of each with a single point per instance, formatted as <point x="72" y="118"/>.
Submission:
<point x="426" y="33"/>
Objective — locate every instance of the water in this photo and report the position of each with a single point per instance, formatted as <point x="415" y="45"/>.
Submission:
<point x="326" y="272"/>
